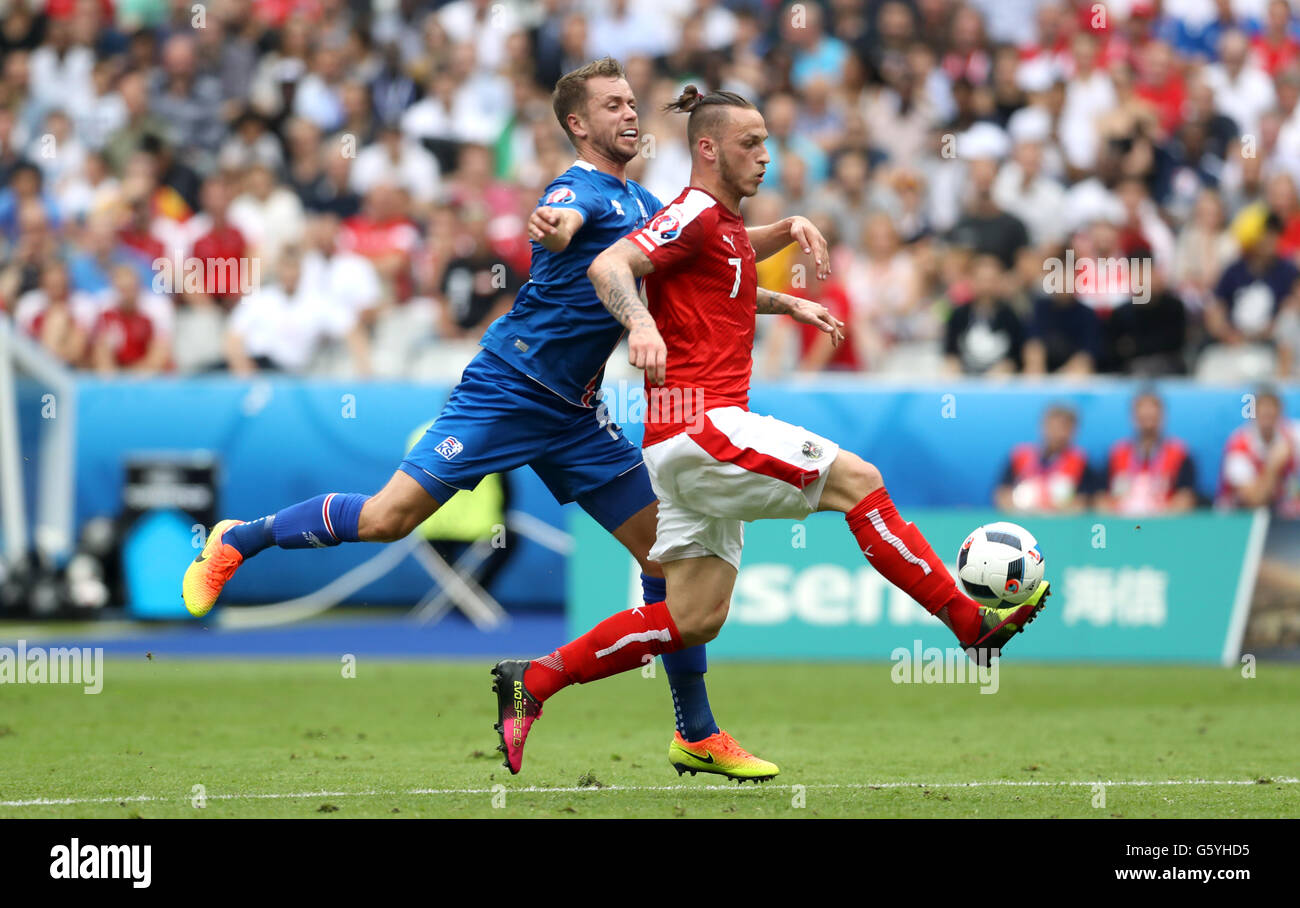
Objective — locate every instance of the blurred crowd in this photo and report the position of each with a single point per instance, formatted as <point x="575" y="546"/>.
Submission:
<point x="1152" y="472"/>
<point x="370" y="166"/>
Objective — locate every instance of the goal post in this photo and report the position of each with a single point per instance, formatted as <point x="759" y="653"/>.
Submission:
<point x="38" y="400"/>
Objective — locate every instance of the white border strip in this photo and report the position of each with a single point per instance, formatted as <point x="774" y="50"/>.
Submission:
<point x="1245" y="586"/>
<point x="533" y="789"/>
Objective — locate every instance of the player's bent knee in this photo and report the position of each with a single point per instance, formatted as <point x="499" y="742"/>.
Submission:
<point x="855" y="477"/>
<point x="868" y="477"/>
<point x="701" y="626"/>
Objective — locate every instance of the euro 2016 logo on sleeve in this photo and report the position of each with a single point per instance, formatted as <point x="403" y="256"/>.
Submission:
<point x="561" y="196"/>
<point x="812" y="450"/>
<point x="449" y="447"/>
<point x="666" y="226"/>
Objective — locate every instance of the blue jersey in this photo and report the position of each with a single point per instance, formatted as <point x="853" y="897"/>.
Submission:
<point x="558" y="332"/>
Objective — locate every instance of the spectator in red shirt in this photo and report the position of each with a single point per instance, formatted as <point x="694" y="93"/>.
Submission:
<point x="1149" y="473"/>
<point x="816" y="351"/>
<point x="384" y="234"/>
<point x="55" y="316"/>
<point x="1282" y="199"/>
<point x="1261" y="461"/>
<point x="220" y="246"/>
<point x="1161" y="85"/>
<point x="1051" y="477"/>
<point x="138" y="233"/>
<point x="1276" y="46"/>
<point x="133" y="332"/>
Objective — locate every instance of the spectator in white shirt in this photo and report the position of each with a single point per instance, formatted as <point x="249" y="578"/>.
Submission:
<point x="1022" y="189"/>
<point x="397" y="161"/>
<point x="345" y="282"/>
<point x="280" y="327"/>
<point x="1088" y="95"/>
<point x="269" y="215"/>
<point x="484" y="24"/>
<point x="1242" y="90"/>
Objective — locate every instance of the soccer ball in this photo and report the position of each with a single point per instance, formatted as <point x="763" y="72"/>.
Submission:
<point x="1000" y="563"/>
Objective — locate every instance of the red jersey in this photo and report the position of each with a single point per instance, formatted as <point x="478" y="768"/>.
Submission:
<point x="1244" y="457"/>
<point x="1144" y="485"/>
<point x="379" y="239"/>
<point x="217" y="248"/>
<point x="835" y="298"/>
<point x="129" y="334"/>
<point x="703" y="295"/>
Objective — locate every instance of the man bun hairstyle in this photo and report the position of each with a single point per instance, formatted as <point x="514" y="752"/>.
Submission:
<point x="707" y="112"/>
<point x="570" y="95"/>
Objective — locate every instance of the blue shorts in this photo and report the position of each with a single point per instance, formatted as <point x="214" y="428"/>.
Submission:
<point x="498" y="419"/>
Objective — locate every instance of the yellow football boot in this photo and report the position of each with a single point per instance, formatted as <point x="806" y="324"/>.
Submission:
<point x="719" y="753"/>
<point x="208" y="573"/>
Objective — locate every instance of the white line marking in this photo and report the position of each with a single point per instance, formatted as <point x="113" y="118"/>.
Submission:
<point x="534" y="789"/>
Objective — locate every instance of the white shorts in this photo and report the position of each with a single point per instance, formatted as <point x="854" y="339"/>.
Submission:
<point x="739" y="466"/>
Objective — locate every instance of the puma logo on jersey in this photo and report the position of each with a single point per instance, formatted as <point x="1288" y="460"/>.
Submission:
<point x="729" y="242"/>
<point x="618" y="208"/>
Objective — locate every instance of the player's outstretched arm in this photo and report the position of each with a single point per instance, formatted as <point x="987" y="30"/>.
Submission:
<point x="614" y="274"/>
<point x="801" y="310"/>
<point x="770" y="239"/>
<point x="554" y="227"/>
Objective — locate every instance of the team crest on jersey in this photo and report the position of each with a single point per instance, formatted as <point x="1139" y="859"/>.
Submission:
<point x="449" y="447"/>
<point x="812" y="450"/>
<point x="561" y="196"/>
<point x="666" y="225"/>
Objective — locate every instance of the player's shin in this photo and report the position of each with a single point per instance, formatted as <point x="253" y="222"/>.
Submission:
<point x="620" y="643"/>
<point x="685" y="669"/>
<point x="901" y="554"/>
<point x="325" y="520"/>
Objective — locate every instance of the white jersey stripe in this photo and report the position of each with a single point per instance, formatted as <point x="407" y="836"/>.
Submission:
<point x="879" y="524"/>
<point x="663" y="634"/>
<point x="691" y="206"/>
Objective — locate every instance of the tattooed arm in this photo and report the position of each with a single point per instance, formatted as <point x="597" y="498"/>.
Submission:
<point x="614" y="274"/>
<point x="772" y="303"/>
<point x="801" y="310"/>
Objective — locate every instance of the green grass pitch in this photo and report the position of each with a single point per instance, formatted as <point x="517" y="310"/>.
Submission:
<point x="406" y="739"/>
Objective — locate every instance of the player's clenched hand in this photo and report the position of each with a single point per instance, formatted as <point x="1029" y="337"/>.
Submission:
<point x="543" y="222"/>
<point x="810" y="313"/>
<point x="646" y="350"/>
<point x="810" y="240"/>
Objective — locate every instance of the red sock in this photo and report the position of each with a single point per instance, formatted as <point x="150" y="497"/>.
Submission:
<point x="619" y="643"/>
<point x="902" y="556"/>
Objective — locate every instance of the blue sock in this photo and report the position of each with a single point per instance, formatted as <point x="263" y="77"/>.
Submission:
<point x="685" y="669"/>
<point x="318" y="522"/>
<point x="251" y="537"/>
